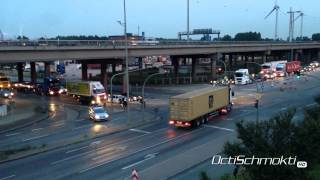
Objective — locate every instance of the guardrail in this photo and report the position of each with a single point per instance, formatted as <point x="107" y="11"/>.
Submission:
<point x="121" y="43"/>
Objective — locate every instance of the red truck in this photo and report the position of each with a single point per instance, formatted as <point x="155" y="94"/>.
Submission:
<point x="283" y="69"/>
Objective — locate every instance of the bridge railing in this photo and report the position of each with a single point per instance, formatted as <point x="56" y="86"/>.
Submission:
<point x="131" y="43"/>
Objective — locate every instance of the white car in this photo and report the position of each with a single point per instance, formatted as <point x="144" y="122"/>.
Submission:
<point x="98" y="113"/>
<point x="116" y="98"/>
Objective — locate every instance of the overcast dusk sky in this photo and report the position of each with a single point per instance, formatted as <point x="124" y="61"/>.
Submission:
<point x="158" y="18"/>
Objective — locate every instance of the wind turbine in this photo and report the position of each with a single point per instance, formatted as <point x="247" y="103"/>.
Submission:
<point x="276" y="9"/>
<point x="301" y="15"/>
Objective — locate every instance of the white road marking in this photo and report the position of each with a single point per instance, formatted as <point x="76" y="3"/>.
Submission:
<point x="140" y="131"/>
<point x="283" y="109"/>
<point x="78" y="149"/>
<point x="140" y="150"/>
<point x="34" y="138"/>
<point x="8" y="177"/>
<point x="81" y="127"/>
<point x="95" y="143"/>
<point x="146" y="158"/>
<point x="229" y="119"/>
<point x="58" y="124"/>
<point x="38" y="129"/>
<point x="217" y="127"/>
<point x="78" y="120"/>
<point x="13" y="134"/>
<point x="100" y="148"/>
<point x="313" y="104"/>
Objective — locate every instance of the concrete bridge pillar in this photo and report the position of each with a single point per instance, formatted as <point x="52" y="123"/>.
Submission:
<point x="33" y="72"/>
<point x="230" y="58"/>
<point x="194" y="68"/>
<point x="114" y="65"/>
<point x="20" y="72"/>
<point x="175" y="63"/>
<point x="213" y="61"/>
<point x="104" y="75"/>
<point x="46" y="69"/>
<point x="140" y="62"/>
<point x="84" y="71"/>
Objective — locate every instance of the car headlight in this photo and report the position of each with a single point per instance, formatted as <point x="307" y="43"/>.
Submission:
<point x="96" y="116"/>
<point x="51" y="92"/>
<point x="6" y="94"/>
<point x="60" y="91"/>
<point x="12" y="94"/>
<point x="107" y="116"/>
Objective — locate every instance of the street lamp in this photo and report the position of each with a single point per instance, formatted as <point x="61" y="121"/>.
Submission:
<point x="188" y="19"/>
<point x="111" y="87"/>
<point x="258" y="95"/>
<point x="124" y="24"/>
<point x="144" y="84"/>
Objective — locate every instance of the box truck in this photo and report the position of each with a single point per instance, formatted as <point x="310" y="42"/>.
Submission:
<point x="197" y="107"/>
<point x="87" y="92"/>
<point x="283" y="69"/>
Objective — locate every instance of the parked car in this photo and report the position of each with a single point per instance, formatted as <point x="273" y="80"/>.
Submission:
<point x="116" y="98"/>
<point x="98" y="113"/>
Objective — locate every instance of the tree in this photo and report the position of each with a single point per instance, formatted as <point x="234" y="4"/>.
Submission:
<point x="226" y="37"/>
<point x="22" y="38"/>
<point x="316" y="37"/>
<point x="248" y="36"/>
<point x="203" y="176"/>
<point x="279" y="136"/>
<point x="304" y="38"/>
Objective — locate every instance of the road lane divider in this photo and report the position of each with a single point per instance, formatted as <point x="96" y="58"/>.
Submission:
<point x="140" y="131"/>
<point x="34" y="138"/>
<point x="8" y="177"/>
<point x="13" y="134"/>
<point x="146" y="158"/>
<point x="101" y="148"/>
<point x="138" y="151"/>
<point x="77" y="149"/>
<point x="38" y="129"/>
<point x="217" y="127"/>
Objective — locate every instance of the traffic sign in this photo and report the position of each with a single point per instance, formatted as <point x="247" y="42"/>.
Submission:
<point x="258" y="96"/>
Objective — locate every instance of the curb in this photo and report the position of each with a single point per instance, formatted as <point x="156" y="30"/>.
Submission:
<point x="77" y="142"/>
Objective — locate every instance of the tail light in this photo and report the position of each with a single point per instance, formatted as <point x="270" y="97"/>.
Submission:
<point x="187" y="124"/>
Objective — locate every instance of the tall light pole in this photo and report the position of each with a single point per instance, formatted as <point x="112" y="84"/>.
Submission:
<point x="144" y="84"/>
<point x="188" y="19"/>
<point x="126" y="55"/>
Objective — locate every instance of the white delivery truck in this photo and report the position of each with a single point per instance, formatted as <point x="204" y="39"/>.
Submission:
<point x="87" y="92"/>
<point x="242" y="76"/>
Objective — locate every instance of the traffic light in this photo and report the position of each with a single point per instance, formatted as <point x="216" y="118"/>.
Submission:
<point x="256" y="104"/>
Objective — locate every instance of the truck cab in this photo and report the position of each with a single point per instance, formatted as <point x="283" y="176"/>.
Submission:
<point x="281" y="70"/>
<point x="242" y="77"/>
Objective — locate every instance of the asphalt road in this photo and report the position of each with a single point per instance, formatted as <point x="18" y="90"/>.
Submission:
<point x="114" y="156"/>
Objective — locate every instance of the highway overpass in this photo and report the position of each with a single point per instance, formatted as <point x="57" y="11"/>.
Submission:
<point x="97" y="50"/>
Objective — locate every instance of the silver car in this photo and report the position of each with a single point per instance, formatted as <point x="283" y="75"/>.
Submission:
<point x="98" y="113"/>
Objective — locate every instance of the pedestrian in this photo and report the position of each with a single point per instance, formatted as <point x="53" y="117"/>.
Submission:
<point x="134" y="175"/>
<point x="125" y="104"/>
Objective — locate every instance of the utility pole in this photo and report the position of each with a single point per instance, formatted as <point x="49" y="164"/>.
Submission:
<point x="188" y="19"/>
<point x="126" y="56"/>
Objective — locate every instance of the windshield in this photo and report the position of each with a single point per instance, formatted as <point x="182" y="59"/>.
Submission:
<point x="98" y="91"/>
<point x="265" y="67"/>
<point x="238" y="74"/>
<point x="99" y="110"/>
<point x="4" y="79"/>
